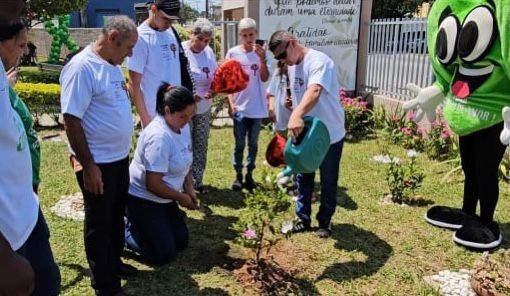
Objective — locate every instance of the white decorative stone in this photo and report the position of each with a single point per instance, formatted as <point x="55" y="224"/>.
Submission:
<point x="70" y="207"/>
<point x="453" y="283"/>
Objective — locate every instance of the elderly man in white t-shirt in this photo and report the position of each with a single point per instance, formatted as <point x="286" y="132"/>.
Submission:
<point x="157" y="58"/>
<point x="99" y="126"/>
<point x="315" y="92"/>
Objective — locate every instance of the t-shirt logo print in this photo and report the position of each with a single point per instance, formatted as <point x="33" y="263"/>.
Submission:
<point x="206" y="71"/>
<point x="254" y="67"/>
<point x="173" y="48"/>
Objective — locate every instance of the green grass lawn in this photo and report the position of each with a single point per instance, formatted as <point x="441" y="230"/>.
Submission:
<point x="375" y="249"/>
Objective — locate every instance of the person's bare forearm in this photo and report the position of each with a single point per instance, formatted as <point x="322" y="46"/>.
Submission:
<point x="154" y="183"/>
<point x="188" y="184"/>
<point x="77" y="140"/>
<point x="264" y="72"/>
<point x="135" y="80"/>
<point x="5" y="248"/>
<point x="310" y="99"/>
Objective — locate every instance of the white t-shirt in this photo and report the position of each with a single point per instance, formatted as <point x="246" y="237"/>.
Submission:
<point x="156" y="58"/>
<point x="160" y="150"/>
<point x="318" y="68"/>
<point x="278" y="88"/>
<point x="19" y="206"/>
<point x="251" y="102"/>
<point x="95" y="91"/>
<point x="202" y="65"/>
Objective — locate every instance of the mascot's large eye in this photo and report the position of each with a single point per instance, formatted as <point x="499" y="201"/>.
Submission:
<point x="447" y="39"/>
<point x="477" y="34"/>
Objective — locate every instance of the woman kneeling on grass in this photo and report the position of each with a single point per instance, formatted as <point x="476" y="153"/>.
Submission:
<point x="160" y="178"/>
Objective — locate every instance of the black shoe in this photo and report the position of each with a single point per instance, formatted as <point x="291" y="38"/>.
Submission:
<point x="477" y="235"/>
<point x="446" y="217"/>
<point x="237" y="185"/>
<point x="249" y="183"/>
<point x="324" y="230"/>
<point x="202" y="189"/>
<point x="125" y="270"/>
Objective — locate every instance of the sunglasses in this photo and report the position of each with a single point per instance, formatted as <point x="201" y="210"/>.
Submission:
<point x="283" y="55"/>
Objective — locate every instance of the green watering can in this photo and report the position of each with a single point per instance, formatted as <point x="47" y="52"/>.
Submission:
<point x="306" y="153"/>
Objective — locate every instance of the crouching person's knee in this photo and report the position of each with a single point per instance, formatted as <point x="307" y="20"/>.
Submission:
<point x="162" y="255"/>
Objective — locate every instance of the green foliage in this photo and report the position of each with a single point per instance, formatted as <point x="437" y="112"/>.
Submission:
<point x="257" y="221"/>
<point x="492" y="272"/>
<point x="38" y="9"/>
<point x="189" y="13"/>
<point x="441" y="144"/>
<point x="183" y="33"/>
<point x="40" y="99"/>
<point x="358" y="118"/>
<point x="394" y="8"/>
<point x="404" y="178"/>
<point x="379" y="115"/>
<point x="34" y="75"/>
<point x="401" y="128"/>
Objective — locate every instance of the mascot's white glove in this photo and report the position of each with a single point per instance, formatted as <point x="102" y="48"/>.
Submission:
<point x="504" y="137"/>
<point x="427" y="100"/>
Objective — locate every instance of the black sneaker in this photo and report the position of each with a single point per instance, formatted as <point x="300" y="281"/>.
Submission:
<point x="477" y="235"/>
<point x="237" y="185"/>
<point x="446" y="217"/>
<point x="249" y="183"/>
<point x="324" y="230"/>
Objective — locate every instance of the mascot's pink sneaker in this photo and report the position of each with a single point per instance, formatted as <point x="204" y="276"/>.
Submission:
<point x="477" y="235"/>
<point x="446" y="217"/>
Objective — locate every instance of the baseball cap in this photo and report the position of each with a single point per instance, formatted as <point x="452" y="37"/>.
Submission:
<point x="171" y="8"/>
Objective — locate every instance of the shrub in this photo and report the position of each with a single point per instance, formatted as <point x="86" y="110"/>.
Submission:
<point x="257" y="221"/>
<point x="402" y="129"/>
<point x="40" y="99"/>
<point x="404" y="178"/>
<point x="441" y="144"/>
<point x="34" y="75"/>
<point x="492" y="274"/>
<point x="183" y="33"/>
<point x="358" y="118"/>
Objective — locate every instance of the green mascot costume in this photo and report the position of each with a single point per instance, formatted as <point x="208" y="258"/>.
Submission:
<point x="469" y="48"/>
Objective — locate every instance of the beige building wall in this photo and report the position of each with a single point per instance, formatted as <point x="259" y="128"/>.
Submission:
<point x="41" y="39"/>
<point x="233" y="4"/>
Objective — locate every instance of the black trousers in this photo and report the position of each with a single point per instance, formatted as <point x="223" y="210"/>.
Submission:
<point x="104" y="225"/>
<point x="481" y="153"/>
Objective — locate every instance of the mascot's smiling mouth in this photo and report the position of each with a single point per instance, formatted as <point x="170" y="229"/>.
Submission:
<point x="466" y="80"/>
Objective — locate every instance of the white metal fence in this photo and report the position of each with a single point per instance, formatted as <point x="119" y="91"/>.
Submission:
<point x="397" y="55"/>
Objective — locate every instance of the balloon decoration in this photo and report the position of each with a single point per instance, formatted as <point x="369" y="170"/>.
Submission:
<point x="60" y="34"/>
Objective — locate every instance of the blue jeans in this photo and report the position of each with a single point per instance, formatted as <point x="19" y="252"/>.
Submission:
<point x="159" y="230"/>
<point x="329" y="171"/>
<point x="37" y="251"/>
<point x="246" y="128"/>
